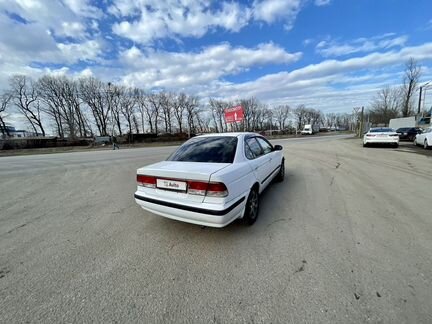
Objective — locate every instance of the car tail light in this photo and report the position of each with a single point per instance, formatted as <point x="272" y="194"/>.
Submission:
<point x="370" y="135"/>
<point x="197" y="188"/>
<point x="217" y="189"/>
<point x="146" y="181"/>
<point x="212" y="189"/>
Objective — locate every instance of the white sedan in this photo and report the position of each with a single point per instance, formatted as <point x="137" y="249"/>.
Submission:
<point x="381" y="135"/>
<point x="424" y="138"/>
<point x="212" y="179"/>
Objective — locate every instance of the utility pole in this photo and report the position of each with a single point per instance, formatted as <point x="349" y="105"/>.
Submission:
<point x="361" y="122"/>
<point x="420" y="99"/>
<point x="423" y="87"/>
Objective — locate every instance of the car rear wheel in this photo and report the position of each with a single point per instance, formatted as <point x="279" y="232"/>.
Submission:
<point x="281" y="175"/>
<point x="252" y="207"/>
<point x="365" y="144"/>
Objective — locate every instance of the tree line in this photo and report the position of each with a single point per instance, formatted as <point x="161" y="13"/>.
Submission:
<point x="85" y="107"/>
<point x="392" y="102"/>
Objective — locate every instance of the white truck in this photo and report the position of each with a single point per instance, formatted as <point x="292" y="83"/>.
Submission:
<point x="310" y="129"/>
<point x="404" y="122"/>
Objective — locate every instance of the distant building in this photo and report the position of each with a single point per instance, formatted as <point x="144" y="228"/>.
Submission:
<point x="13" y="133"/>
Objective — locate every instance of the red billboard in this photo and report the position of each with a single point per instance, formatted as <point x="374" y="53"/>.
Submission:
<point x="234" y="114"/>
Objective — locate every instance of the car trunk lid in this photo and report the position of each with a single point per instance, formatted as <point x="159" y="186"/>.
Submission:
<point x="180" y="173"/>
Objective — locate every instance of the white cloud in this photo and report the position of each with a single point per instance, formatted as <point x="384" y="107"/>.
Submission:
<point x="331" y="85"/>
<point x="302" y="81"/>
<point x="272" y="10"/>
<point x="145" y="21"/>
<point x="170" y="19"/>
<point x="308" y="41"/>
<point x="322" y="2"/>
<point x="171" y="70"/>
<point x="73" y="29"/>
<point x="332" y="48"/>
<point x="83" y="8"/>
<point x="70" y="18"/>
<point x="84" y="51"/>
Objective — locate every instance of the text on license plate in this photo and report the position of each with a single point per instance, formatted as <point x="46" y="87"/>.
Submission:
<point x="171" y="184"/>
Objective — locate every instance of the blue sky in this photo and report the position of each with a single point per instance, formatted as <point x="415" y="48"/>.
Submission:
<point x="328" y="54"/>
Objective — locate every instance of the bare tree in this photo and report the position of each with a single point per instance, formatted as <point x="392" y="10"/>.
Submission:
<point x="93" y="93"/>
<point x="250" y="106"/>
<point x="266" y="118"/>
<point x="25" y="98"/>
<point x="136" y="123"/>
<point x="127" y="103"/>
<point x="313" y="116"/>
<point x="154" y="106"/>
<point x="113" y="96"/>
<point x="330" y="120"/>
<point x="143" y="108"/>
<point x="410" y="82"/>
<point x="179" y="106"/>
<point x="300" y="114"/>
<point x="217" y="108"/>
<point x="166" y="103"/>
<point x="192" y="111"/>
<point x="281" y="114"/>
<point x="61" y="102"/>
<point x="5" y="100"/>
<point x="385" y="105"/>
<point x="50" y="95"/>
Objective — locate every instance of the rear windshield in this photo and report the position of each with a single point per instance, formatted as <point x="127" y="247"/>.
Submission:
<point x="381" y="130"/>
<point x="207" y="149"/>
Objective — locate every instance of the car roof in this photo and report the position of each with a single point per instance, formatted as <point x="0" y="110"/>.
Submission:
<point x="231" y="134"/>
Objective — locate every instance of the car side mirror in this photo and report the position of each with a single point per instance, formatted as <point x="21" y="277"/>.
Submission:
<point x="277" y="148"/>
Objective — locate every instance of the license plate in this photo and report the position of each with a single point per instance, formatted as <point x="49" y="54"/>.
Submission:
<point x="382" y="135"/>
<point x="171" y="184"/>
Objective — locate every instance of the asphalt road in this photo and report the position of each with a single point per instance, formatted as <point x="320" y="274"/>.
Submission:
<point x="347" y="238"/>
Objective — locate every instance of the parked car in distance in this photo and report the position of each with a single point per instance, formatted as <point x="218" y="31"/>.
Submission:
<point x="381" y="135"/>
<point x="424" y="138"/>
<point x="211" y="179"/>
<point x="408" y="133"/>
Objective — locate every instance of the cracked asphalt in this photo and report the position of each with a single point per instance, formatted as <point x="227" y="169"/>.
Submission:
<point x="346" y="238"/>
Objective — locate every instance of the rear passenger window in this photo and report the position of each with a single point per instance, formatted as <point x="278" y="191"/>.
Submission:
<point x="266" y="146"/>
<point x="248" y="152"/>
<point x="254" y="148"/>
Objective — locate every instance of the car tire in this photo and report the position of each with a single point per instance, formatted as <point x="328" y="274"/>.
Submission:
<point x="281" y="174"/>
<point x="365" y="144"/>
<point x="252" y="207"/>
<point x="396" y="145"/>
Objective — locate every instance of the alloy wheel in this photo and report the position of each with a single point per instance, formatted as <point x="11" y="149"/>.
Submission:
<point x="253" y="205"/>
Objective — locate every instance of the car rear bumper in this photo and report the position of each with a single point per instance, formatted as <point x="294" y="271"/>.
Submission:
<point x="384" y="140"/>
<point x="405" y="137"/>
<point x="211" y="215"/>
